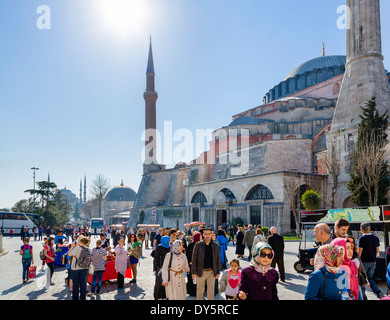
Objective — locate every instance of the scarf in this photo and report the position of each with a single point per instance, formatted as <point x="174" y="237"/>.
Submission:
<point x="349" y="266"/>
<point x="175" y="247"/>
<point x="197" y="237"/>
<point x="255" y="263"/>
<point x="165" y="242"/>
<point x="327" y="256"/>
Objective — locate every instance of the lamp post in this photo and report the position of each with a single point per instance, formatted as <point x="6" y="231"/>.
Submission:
<point x="187" y="184"/>
<point x="34" y="168"/>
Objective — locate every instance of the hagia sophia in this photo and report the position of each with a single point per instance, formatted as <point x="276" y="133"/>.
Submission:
<point x="314" y="108"/>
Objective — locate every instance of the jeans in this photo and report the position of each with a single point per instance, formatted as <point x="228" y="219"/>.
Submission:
<point x="121" y="280"/>
<point x="97" y="279"/>
<point x="26" y="264"/>
<point x="79" y="284"/>
<point x="369" y="267"/>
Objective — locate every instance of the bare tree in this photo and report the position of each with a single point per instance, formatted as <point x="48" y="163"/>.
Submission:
<point x="100" y="186"/>
<point x="370" y="163"/>
<point x="292" y="182"/>
<point x="333" y="166"/>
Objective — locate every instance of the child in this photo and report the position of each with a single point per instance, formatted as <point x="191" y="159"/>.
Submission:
<point x="258" y="281"/>
<point x="26" y="251"/>
<point x="43" y="261"/>
<point x="230" y="280"/>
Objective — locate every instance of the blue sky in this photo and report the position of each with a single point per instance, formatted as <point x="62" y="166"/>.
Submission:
<point x="71" y="98"/>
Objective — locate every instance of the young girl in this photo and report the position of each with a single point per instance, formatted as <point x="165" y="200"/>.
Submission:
<point x="230" y="280"/>
<point x="258" y="281"/>
<point x="43" y="245"/>
<point x="26" y="251"/>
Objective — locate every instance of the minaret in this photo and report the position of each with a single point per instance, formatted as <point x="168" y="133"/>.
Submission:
<point x="85" y="188"/>
<point x="365" y="74"/>
<point x="364" y="78"/>
<point x="150" y="96"/>
<point x="81" y="191"/>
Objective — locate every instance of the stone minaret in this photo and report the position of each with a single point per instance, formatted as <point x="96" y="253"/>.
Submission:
<point x="364" y="78"/>
<point x="85" y="189"/>
<point x="150" y="96"/>
<point x="365" y="74"/>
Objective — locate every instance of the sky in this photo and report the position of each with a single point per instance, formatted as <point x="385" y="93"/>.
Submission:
<point x="72" y="77"/>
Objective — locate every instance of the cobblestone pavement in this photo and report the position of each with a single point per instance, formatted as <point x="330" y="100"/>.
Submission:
<point x="12" y="288"/>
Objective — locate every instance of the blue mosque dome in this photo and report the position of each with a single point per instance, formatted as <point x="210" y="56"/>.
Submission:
<point x="306" y="75"/>
<point x="318" y="64"/>
<point x="121" y="193"/>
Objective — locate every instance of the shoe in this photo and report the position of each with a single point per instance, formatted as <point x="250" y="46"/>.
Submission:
<point x="52" y="283"/>
<point x="90" y="294"/>
<point x="133" y="280"/>
<point x="380" y="295"/>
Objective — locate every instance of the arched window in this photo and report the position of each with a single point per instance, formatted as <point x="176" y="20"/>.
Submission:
<point x="228" y="194"/>
<point x="199" y="197"/>
<point x="259" y="192"/>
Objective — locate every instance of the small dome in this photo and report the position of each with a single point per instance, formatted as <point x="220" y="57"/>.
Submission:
<point x="121" y="193"/>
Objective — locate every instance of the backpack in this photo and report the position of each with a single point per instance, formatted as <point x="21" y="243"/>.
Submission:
<point x="42" y="255"/>
<point x="84" y="259"/>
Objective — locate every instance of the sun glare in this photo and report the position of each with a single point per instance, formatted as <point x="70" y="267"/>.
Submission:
<point x="122" y="16"/>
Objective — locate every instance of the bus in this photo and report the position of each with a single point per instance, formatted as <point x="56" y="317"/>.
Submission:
<point x="16" y="221"/>
<point x="98" y="224"/>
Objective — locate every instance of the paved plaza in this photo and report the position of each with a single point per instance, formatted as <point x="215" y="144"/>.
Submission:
<point x="12" y="288"/>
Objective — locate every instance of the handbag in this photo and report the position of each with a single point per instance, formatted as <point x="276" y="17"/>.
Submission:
<point x="32" y="272"/>
<point x="91" y="269"/>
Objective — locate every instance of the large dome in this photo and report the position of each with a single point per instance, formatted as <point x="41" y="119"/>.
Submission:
<point x="121" y="194"/>
<point x="318" y="63"/>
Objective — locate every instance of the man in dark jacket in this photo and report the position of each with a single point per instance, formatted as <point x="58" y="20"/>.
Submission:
<point x="206" y="265"/>
<point x="250" y="235"/>
<point x="277" y="243"/>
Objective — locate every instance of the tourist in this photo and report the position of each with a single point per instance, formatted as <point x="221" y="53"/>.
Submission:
<point x="99" y="256"/>
<point x="175" y="263"/>
<point x="231" y="234"/>
<point x="68" y="280"/>
<point x="324" y="283"/>
<point x="157" y="238"/>
<point x="26" y="251"/>
<point x="206" y="264"/>
<point x="322" y="234"/>
<point x="40" y="233"/>
<point x="362" y="276"/>
<point x="172" y="234"/>
<point x="368" y="249"/>
<point x="121" y="262"/>
<point x="80" y="264"/>
<point x="147" y="236"/>
<point x="341" y="227"/>
<point x="276" y="241"/>
<point x="60" y="238"/>
<point x="230" y="280"/>
<point x="135" y="251"/>
<point x="105" y="242"/>
<point x="222" y="241"/>
<point x="191" y="286"/>
<point x="349" y="266"/>
<point x="162" y="249"/>
<point x="259" y="279"/>
<point x="180" y="236"/>
<point x="50" y="258"/>
<point x="260" y="237"/>
<point x="248" y="239"/>
<point x="240" y="246"/>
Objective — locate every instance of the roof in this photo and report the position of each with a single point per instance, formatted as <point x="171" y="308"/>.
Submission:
<point x="121" y="194"/>
<point x="248" y="121"/>
<point x="318" y="63"/>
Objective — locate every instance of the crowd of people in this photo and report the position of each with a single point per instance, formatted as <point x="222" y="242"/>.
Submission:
<point x="196" y="264"/>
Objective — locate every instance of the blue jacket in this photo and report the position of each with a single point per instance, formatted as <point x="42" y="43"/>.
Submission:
<point x="388" y="276"/>
<point x="334" y="285"/>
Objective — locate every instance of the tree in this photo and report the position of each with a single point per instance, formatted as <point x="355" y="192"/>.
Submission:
<point x="24" y="205"/>
<point x="292" y="183"/>
<point x="311" y="200"/>
<point x="333" y="166"/>
<point x="369" y="183"/>
<point x="44" y="191"/>
<point x="99" y="188"/>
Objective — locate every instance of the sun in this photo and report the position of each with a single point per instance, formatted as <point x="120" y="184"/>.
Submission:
<point x="122" y="17"/>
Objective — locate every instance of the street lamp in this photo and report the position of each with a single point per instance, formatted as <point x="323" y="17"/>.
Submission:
<point x="34" y="168"/>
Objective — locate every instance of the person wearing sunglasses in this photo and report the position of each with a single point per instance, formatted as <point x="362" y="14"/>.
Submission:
<point x="259" y="279"/>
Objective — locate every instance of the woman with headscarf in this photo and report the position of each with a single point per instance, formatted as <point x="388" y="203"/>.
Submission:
<point x="327" y="282"/>
<point x="223" y="242"/>
<point x="240" y="246"/>
<point x="348" y="265"/>
<point x="161" y="251"/>
<point x="258" y="280"/>
<point x="175" y="263"/>
<point x="191" y="286"/>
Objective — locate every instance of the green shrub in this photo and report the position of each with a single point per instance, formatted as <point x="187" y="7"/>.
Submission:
<point x="311" y="200"/>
